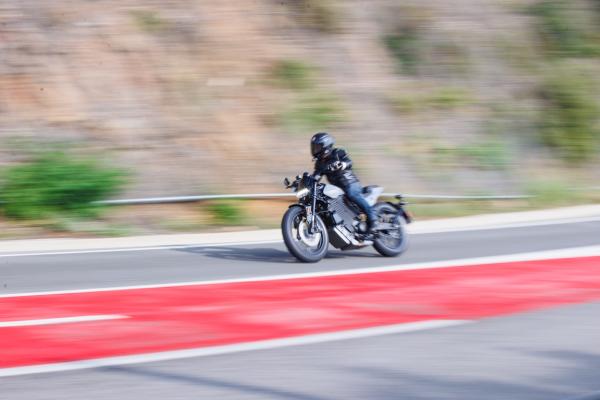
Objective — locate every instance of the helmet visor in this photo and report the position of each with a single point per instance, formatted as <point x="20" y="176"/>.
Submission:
<point x="316" y="149"/>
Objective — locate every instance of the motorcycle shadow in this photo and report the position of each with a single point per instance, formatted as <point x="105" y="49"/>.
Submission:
<point x="264" y="254"/>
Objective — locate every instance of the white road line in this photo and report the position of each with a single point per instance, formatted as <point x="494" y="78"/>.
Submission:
<point x="416" y="230"/>
<point x="511" y="225"/>
<point x="54" y="321"/>
<point x="234" y="348"/>
<point x="573" y="252"/>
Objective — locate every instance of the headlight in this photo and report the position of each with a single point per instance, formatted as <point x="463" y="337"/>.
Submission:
<point x="302" y="193"/>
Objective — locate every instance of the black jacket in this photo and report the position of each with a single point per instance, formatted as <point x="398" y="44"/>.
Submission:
<point x="342" y="177"/>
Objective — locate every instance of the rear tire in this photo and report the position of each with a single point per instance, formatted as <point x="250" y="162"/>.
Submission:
<point x="390" y="243"/>
<point x="298" y="243"/>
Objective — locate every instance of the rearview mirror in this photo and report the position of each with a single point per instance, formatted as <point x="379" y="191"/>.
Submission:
<point x="286" y="182"/>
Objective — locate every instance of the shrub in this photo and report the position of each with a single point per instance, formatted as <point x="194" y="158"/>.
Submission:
<point x="405" y="37"/>
<point x="309" y="109"/>
<point x="551" y="192"/>
<point x="414" y="54"/>
<point x="404" y="45"/>
<point x="320" y="15"/>
<point x="293" y="74"/>
<point x="444" y="98"/>
<point x="489" y="154"/>
<point x="406" y="103"/>
<point x="449" y="98"/>
<point x="148" y="21"/>
<point x="448" y="57"/>
<point x="314" y="111"/>
<point x="227" y="212"/>
<point x="565" y="29"/>
<point x="569" y="121"/>
<point x="54" y="183"/>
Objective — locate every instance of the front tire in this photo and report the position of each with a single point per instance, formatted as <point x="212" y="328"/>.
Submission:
<point x="299" y="242"/>
<point x="390" y="243"/>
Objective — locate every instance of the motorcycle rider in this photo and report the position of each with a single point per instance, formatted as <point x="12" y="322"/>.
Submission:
<point x="336" y="165"/>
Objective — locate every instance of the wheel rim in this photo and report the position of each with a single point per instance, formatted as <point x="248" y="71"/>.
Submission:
<point x="391" y="238"/>
<point x="311" y="243"/>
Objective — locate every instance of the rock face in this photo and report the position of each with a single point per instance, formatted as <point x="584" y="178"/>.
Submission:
<point x="152" y="86"/>
<point x="180" y="92"/>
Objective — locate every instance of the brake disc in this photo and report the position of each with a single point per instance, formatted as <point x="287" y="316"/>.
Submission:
<point x="311" y="240"/>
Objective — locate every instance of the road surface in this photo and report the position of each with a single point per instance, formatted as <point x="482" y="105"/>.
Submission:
<point x="522" y="331"/>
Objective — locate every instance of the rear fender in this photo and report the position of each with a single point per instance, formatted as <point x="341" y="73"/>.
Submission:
<point x="400" y="207"/>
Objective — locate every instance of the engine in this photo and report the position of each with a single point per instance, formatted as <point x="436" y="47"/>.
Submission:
<point x="346" y="214"/>
<point x="342" y="228"/>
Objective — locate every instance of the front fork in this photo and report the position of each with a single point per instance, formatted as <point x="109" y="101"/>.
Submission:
<point x="311" y="212"/>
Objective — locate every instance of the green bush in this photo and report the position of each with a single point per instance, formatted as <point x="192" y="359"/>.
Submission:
<point x="405" y="36"/>
<point x="320" y="15"/>
<point x="551" y="193"/>
<point x="448" y="57"/>
<point x="54" y="183"/>
<point x="148" y="21"/>
<point x="309" y="108"/>
<point x="405" y="45"/>
<point x="489" y="154"/>
<point x="227" y="212"/>
<point x="314" y="111"/>
<point x="416" y="54"/>
<point x="449" y="98"/>
<point x="565" y="29"/>
<point x="444" y="98"/>
<point x="569" y="121"/>
<point x="293" y="74"/>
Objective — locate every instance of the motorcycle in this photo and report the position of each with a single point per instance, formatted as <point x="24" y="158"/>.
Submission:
<point x="324" y="215"/>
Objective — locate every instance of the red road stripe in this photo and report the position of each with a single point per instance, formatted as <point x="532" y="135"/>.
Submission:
<point x="172" y="318"/>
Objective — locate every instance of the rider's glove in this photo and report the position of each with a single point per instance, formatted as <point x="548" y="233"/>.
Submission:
<point x="337" y="165"/>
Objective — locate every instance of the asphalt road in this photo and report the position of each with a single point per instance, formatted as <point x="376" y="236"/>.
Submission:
<point x="80" y="271"/>
<point x="550" y="354"/>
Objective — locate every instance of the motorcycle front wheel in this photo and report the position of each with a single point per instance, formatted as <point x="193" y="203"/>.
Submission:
<point x="305" y="246"/>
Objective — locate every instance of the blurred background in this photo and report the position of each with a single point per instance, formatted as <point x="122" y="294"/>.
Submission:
<point x="120" y="99"/>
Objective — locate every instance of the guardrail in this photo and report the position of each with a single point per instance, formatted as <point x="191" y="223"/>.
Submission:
<point x="256" y="196"/>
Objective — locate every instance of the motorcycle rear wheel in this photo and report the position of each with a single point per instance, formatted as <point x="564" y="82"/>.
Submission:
<point x="390" y="243"/>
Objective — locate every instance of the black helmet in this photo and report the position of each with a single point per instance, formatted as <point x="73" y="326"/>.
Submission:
<point x="321" y="144"/>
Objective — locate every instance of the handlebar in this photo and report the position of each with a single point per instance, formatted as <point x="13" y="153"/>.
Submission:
<point x="288" y="184"/>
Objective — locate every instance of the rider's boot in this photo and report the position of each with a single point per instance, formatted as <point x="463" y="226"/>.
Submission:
<point x="372" y="225"/>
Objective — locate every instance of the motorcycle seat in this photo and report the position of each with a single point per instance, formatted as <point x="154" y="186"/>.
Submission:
<point x="367" y="190"/>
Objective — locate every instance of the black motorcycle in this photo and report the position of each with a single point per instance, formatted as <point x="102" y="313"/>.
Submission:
<point x="324" y="215"/>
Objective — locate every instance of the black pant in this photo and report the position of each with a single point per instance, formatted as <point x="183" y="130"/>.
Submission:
<point x="354" y="193"/>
